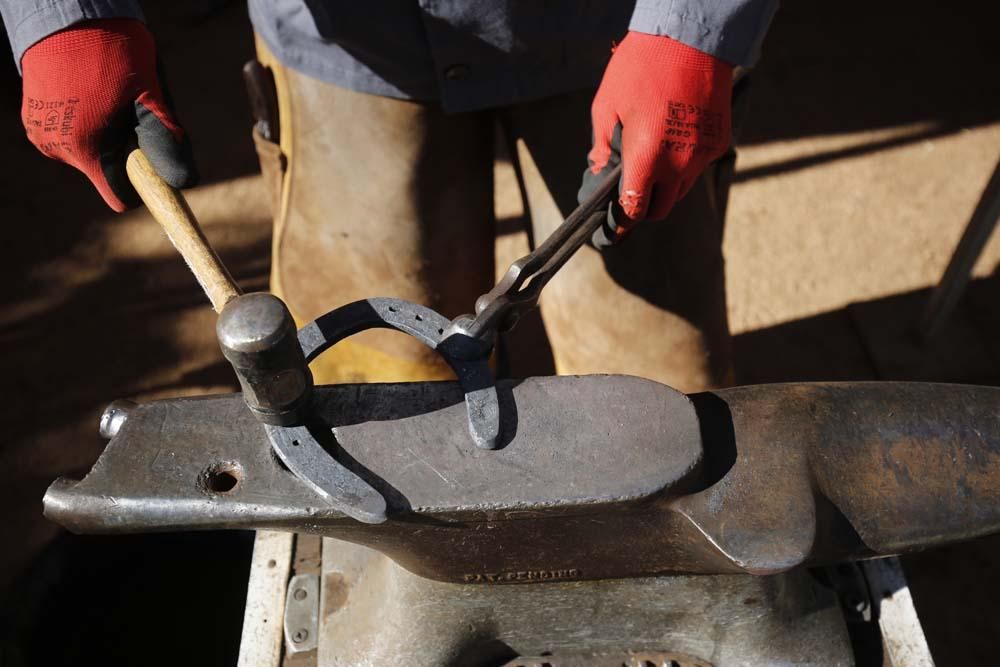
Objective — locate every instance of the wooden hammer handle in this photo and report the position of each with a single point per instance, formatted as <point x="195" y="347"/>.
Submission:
<point x="169" y="208"/>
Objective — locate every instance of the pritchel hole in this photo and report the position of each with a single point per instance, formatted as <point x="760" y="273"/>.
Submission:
<point x="300" y="594"/>
<point x="222" y="482"/>
<point x="222" y="477"/>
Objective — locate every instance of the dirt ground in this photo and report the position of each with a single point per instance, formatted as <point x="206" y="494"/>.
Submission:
<point x="873" y="129"/>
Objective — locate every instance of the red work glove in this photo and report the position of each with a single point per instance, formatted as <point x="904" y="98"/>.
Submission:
<point x="89" y="92"/>
<point x="670" y="104"/>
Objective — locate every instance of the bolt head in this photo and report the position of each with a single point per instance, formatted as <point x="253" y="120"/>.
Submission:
<point x="114" y="417"/>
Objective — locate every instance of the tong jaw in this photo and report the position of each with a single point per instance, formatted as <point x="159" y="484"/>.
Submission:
<point x="521" y="285"/>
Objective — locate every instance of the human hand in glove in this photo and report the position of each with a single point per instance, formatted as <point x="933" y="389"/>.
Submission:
<point x="663" y="109"/>
<point x="91" y="91"/>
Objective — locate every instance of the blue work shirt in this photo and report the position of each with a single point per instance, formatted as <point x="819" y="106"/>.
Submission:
<point x="466" y="54"/>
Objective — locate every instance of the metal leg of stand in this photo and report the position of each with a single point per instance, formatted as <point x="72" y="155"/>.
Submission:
<point x="945" y="296"/>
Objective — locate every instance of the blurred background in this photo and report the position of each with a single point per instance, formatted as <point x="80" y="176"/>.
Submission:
<point x="873" y="130"/>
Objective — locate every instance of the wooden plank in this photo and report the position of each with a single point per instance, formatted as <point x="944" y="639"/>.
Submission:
<point x="902" y="635"/>
<point x="261" y="643"/>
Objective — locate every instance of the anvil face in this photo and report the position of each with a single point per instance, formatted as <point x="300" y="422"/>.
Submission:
<point x="596" y="476"/>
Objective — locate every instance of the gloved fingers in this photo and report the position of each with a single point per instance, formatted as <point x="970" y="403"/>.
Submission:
<point x="149" y="124"/>
<point x="76" y="144"/>
<point x="591" y="178"/>
<point x="603" y="119"/>
<point x="89" y="116"/>
<point x="116" y="199"/>
<point x="164" y="142"/>
<point x="109" y="175"/>
<point x="615" y="230"/>
<point x="616" y="147"/>
<point x="640" y="150"/>
<point x="101" y="156"/>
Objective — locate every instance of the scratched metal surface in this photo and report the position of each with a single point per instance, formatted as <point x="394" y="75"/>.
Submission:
<point x="601" y="476"/>
<point x="566" y="441"/>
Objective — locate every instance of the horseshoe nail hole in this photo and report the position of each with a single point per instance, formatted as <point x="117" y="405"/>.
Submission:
<point x="295" y="443"/>
<point x="393" y="309"/>
<point x="419" y="319"/>
<point x="222" y="477"/>
<point x="440" y="331"/>
<point x="272" y="563"/>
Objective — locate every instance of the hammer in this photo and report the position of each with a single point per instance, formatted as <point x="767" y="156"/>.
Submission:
<point x="169" y="208"/>
<point x="256" y="332"/>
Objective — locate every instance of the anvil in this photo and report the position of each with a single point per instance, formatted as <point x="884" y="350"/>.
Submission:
<point x="593" y="477"/>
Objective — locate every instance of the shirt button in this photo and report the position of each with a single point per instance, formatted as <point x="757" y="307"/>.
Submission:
<point x="455" y="72"/>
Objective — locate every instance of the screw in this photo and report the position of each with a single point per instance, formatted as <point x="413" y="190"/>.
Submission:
<point x="300" y="594"/>
<point x="300" y="635"/>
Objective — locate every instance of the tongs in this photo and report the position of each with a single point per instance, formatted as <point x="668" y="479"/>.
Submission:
<point x="518" y="290"/>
